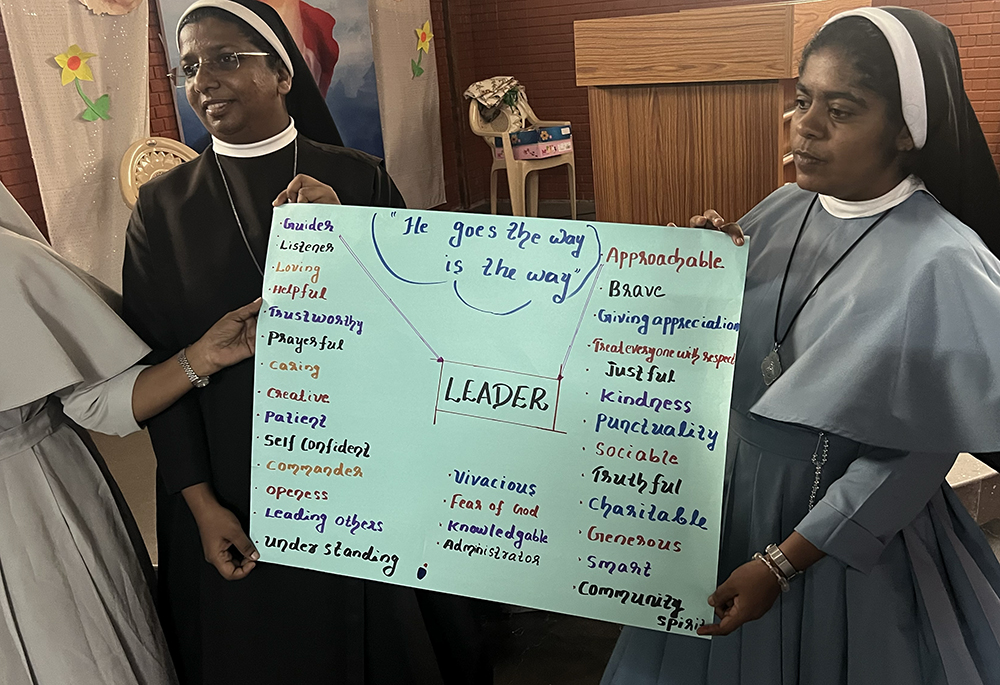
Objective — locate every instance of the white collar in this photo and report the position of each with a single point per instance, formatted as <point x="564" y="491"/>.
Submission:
<point x="258" y="149"/>
<point x="845" y="209"/>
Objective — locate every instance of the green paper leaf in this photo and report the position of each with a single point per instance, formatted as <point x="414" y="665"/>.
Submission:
<point x="89" y="115"/>
<point x="417" y="69"/>
<point x="102" y="106"/>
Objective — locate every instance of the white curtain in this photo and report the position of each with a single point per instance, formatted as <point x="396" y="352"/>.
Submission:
<point x="77" y="161"/>
<point x="408" y="104"/>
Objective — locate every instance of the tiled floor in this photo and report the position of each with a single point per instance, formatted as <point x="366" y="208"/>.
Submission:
<point x="132" y="462"/>
<point x="540" y="648"/>
<point x="992" y="531"/>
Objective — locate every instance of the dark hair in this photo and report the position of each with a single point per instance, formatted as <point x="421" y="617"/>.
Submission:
<point x="273" y="60"/>
<point x="861" y="43"/>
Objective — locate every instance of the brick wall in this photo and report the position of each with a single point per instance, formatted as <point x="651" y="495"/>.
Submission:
<point x="976" y="26"/>
<point x="532" y="40"/>
<point x="162" y="116"/>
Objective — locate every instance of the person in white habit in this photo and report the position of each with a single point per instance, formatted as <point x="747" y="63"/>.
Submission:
<point x="76" y="607"/>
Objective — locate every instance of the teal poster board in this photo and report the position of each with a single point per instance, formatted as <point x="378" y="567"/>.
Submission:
<point x="531" y="411"/>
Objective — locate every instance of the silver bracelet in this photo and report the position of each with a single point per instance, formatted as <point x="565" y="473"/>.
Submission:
<point x="781" y="561"/>
<point x="196" y="380"/>
<point x="782" y="581"/>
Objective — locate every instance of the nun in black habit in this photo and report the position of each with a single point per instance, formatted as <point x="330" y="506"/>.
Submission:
<point x="195" y="249"/>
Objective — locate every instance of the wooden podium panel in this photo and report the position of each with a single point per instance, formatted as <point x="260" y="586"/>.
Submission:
<point x="741" y="45"/>
<point x="686" y="108"/>
<point x="666" y="153"/>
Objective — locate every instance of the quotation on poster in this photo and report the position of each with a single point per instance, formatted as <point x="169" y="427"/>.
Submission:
<point x="531" y="411"/>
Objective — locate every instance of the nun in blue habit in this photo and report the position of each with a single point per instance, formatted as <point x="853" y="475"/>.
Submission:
<point x="869" y="357"/>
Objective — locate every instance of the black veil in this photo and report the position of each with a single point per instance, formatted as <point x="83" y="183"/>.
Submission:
<point x="955" y="162"/>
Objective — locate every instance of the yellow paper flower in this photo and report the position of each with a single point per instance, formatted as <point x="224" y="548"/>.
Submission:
<point x="424" y="36"/>
<point x="74" y="65"/>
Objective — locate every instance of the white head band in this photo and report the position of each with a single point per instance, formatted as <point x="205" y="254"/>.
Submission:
<point x="911" y="75"/>
<point x="247" y="15"/>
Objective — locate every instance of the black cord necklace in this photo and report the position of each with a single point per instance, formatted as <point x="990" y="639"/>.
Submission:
<point x="232" y="203"/>
<point x="770" y="368"/>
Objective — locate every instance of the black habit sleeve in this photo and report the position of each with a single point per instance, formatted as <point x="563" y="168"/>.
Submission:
<point x="178" y="433"/>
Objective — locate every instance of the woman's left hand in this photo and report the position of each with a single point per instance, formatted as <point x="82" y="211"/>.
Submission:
<point x="307" y="189"/>
<point x="231" y="340"/>
<point x="746" y="595"/>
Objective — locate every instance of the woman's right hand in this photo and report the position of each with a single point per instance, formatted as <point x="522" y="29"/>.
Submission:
<point x="711" y="220"/>
<point x="229" y="341"/>
<point x="220" y="530"/>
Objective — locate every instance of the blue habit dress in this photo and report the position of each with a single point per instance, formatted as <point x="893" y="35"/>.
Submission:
<point x="896" y="362"/>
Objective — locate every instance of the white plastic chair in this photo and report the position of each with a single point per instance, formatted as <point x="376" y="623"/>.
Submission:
<point x="521" y="176"/>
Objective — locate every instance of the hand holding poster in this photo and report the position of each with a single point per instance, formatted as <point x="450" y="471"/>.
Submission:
<point x="526" y="410"/>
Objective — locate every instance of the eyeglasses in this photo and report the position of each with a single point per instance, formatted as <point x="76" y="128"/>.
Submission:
<point x="224" y="63"/>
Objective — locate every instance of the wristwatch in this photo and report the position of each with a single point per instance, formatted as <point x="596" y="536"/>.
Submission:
<point x="196" y="380"/>
<point x="775" y="554"/>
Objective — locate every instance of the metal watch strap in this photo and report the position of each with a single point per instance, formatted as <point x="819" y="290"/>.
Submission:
<point x="775" y="554"/>
<point x="782" y="581"/>
<point x="196" y="380"/>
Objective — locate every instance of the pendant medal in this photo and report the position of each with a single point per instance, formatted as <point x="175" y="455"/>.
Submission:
<point x="770" y="368"/>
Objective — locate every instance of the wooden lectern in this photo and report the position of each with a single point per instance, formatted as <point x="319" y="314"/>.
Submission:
<point x="688" y="109"/>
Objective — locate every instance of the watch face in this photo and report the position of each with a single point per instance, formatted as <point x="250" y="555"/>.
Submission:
<point x="201" y="382"/>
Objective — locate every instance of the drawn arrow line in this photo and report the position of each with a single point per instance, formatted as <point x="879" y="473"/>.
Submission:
<point x="583" y="313"/>
<point x="382" y="290"/>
